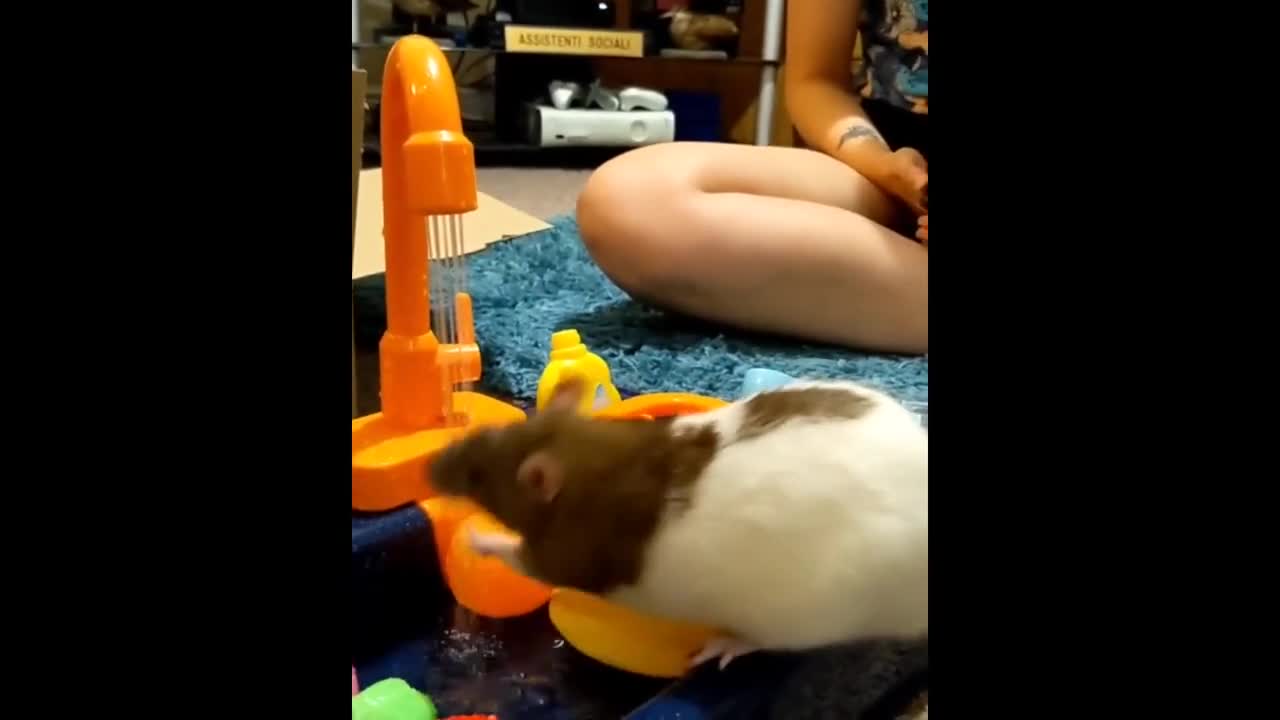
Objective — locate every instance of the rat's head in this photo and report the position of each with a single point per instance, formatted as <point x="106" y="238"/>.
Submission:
<point x="516" y="472"/>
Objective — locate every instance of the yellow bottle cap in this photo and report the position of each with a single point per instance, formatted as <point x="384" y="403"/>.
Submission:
<point x="565" y="339"/>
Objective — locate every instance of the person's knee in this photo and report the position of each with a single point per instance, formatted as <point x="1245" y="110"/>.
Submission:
<point x="601" y="208"/>
<point x="625" y="213"/>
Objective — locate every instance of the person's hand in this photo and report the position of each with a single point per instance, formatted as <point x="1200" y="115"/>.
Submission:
<point x="905" y="175"/>
<point x="922" y="230"/>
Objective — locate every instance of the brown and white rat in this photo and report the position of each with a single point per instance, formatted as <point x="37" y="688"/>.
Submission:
<point x="793" y="519"/>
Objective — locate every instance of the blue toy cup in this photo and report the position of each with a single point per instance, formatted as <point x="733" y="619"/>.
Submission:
<point x="761" y="379"/>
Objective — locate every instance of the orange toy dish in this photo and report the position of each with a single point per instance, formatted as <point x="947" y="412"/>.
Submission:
<point x="428" y="178"/>
<point x="659" y="405"/>
<point x="485" y="585"/>
<point x="446" y="515"/>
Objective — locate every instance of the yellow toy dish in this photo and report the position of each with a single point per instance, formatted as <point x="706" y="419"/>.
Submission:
<point x="619" y="636"/>
<point x="624" y="639"/>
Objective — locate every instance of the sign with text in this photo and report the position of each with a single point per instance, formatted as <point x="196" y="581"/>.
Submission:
<point x="573" y="41"/>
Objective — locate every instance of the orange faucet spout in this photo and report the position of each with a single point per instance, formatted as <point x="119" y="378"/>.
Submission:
<point x="428" y="168"/>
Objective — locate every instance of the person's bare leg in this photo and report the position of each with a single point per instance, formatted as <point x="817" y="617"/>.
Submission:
<point x="775" y="239"/>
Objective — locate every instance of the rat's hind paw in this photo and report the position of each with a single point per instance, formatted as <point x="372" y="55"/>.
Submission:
<point x="725" y="648"/>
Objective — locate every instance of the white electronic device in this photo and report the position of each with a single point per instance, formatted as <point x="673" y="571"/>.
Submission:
<point x="639" y="98"/>
<point x="603" y="97"/>
<point x="550" y="127"/>
<point x="563" y="93"/>
<point x="628" y="98"/>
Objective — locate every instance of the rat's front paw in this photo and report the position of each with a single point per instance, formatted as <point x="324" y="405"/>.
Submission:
<point x="492" y="544"/>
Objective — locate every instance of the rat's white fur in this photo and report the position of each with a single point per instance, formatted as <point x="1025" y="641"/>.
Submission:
<point x="813" y="533"/>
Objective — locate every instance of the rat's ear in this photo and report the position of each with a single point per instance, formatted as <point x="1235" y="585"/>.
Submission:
<point x="543" y="474"/>
<point x="567" y="395"/>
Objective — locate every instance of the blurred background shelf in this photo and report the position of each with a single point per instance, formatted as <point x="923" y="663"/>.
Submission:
<point x="385" y="46"/>
<point x="492" y="152"/>
<point x="740" y="91"/>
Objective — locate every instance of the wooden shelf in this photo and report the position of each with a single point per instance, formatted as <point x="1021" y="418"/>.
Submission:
<point x="741" y="60"/>
<point x="748" y="86"/>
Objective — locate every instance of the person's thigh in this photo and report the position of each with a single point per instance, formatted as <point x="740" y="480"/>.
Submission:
<point x="782" y="172"/>
<point x="640" y="211"/>
<point x="777" y="239"/>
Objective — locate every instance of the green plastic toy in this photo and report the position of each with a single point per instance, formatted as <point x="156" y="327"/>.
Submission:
<point x="392" y="699"/>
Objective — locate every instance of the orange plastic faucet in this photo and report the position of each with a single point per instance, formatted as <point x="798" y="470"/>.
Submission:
<point x="428" y="169"/>
<point x="428" y="172"/>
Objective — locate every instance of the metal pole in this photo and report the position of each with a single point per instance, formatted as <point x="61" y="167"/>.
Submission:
<point x="771" y="53"/>
<point x="355" y="160"/>
<point x="355" y="32"/>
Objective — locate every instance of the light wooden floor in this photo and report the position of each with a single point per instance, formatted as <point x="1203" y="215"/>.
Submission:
<point x="541" y="192"/>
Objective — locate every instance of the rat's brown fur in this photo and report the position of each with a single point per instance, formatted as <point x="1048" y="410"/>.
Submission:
<point x="618" y="477"/>
<point x="767" y="410"/>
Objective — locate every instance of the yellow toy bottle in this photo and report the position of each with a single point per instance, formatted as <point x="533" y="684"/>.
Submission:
<point x="571" y="359"/>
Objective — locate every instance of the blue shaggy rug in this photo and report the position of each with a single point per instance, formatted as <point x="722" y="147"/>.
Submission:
<point x="526" y="289"/>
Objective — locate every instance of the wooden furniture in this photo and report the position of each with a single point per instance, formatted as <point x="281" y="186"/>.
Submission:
<point x="748" y="86"/>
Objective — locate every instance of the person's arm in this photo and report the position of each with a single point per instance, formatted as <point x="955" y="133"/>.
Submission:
<point x="820" y="97"/>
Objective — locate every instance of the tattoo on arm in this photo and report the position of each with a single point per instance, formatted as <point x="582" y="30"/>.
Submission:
<point x="858" y="131"/>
